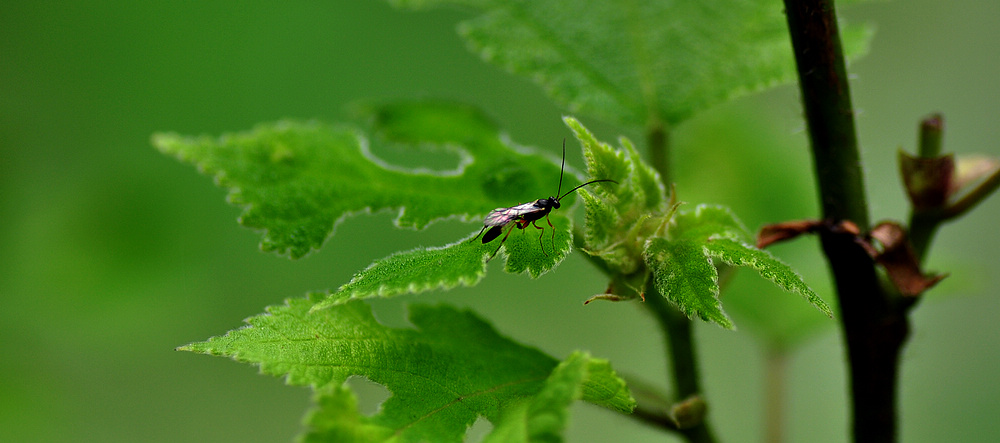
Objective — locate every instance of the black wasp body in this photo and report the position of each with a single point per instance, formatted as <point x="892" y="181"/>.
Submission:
<point x="522" y="215"/>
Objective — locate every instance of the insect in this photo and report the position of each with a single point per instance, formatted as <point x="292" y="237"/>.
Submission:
<point x="525" y="214"/>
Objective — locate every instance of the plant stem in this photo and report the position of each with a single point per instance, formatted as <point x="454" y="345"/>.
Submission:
<point x="774" y="395"/>
<point x="827" y="100"/>
<point x="874" y="323"/>
<point x="659" y="154"/>
<point x="680" y="346"/>
<point x="931" y="133"/>
<point x="676" y="327"/>
<point x="923" y="226"/>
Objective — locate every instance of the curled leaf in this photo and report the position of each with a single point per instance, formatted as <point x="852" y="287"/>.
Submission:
<point x="900" y="262"/>
<point x="779" y="232"/>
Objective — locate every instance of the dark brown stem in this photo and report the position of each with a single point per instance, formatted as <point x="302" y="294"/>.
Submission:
<point x="875" y="325"/>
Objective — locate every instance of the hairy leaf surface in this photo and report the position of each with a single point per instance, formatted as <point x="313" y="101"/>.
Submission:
<point x="543" y="417"/>
<point x="449" y="370"/>
<point x="297" y="180"/>
<point x="422" y="269"/>
<point x="737" y="253"/>
<point x="620" y="216"/>
<point x="638" y="62"/>
<point x="708" y="232"/>
<point x="685" y="276"/>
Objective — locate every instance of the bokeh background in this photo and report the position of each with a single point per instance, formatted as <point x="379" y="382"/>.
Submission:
<point x="112" y="255"/>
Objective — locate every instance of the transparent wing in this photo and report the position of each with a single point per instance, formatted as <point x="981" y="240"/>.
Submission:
<point x="502" y="216"/>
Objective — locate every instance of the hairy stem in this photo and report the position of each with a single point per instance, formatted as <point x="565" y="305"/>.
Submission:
<point x="829" y="113"/>
<point x="875" y="325"/>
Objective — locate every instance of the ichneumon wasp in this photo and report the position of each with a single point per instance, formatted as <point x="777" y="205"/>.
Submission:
<point x="525" y="214"/>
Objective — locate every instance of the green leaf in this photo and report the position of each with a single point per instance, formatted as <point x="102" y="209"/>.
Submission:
<point x="685" y="276"/>
<point x="639" y="187"/>
<point x="638" y="62"/>
<point x="298" y="180"/>
<point x="778" y="321"/>
<point x="415" y="271"/>
<point x="531" y="250"/>
<point x="725" y="238"/>
<point x="449" y="370"/>
<point x="463" y="262"/>
<point x="741" y="254"/>
<point x="707" y="222"/>
<point x="636" y="231"/>
<point x="336" y="419"/>
<point x="539" y="417"/>
<point x="603" y="387"/>
<point x="683" y="270"/>
<point x="543" y="418"/>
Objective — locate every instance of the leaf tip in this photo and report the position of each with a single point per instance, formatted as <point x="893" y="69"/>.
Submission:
<point x="196" y="347"/>
<point x="572" y="122"/>
<point x="165" y="142"/>
<point x="824" y="308"/>
<point x="725" y="322"/>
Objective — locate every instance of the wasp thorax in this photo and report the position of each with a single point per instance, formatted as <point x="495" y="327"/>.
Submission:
<point x="547" y="203"/>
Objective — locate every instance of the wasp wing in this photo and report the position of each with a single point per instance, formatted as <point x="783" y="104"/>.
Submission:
<point x="503" y="216"/>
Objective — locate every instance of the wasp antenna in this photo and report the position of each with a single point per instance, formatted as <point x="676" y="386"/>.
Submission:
<point x="562" y="167"/>
<point x="585" y="184"/>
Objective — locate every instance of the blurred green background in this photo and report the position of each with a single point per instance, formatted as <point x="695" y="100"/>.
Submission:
<point x="111" y="254"/>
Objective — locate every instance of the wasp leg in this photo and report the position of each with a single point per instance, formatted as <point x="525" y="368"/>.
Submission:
<point x="501" y="242"/>
<point x="553" y="232"/>
<point x="521" y="224"/>
<point x="477" y="235"/>
<point x="540" y="244"/>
